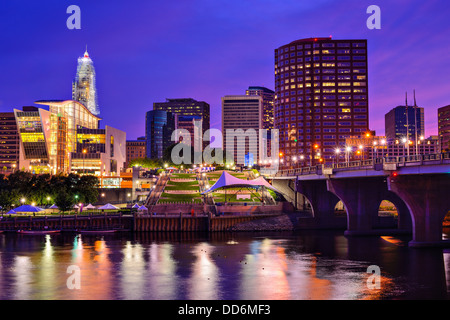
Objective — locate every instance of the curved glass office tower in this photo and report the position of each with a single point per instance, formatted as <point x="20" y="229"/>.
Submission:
<point x="83" y="87"/>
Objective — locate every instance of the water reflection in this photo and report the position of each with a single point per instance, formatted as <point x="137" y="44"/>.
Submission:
<point x="219" y="266"/>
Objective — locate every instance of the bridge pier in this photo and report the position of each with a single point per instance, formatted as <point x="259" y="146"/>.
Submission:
<point x="322" y="201"/>
<point x="427" y="198"/>
<point x="362" y="198"/>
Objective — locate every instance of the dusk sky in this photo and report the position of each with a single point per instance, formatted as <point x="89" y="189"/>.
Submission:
<point x="146" y="51"/>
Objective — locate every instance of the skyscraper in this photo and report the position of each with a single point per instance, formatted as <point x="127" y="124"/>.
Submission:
<point x="268" y="97"/>
<point x="83" y="87"/>
<point x="400" y="123"/>
<point x="9" y="142"/>
<point x="444" y="127"/>
<point x="159" y="126"/>
<point x="187" y="107"/>
<point x="321" y="96"/>
<point x="239" y="114"/>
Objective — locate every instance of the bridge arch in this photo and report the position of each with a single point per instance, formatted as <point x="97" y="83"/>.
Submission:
<point x="426" y="197"/>
<point x="362" y="198"/>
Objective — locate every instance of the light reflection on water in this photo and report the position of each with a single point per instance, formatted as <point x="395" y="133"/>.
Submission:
<point x="308" y="265"/>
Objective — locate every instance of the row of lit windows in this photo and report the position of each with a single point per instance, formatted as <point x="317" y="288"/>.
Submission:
<point x="325" y="116"/>
<point x="323" y="45"/>
<point x="324" y="84"/>
<point x="323" y="51"/>
<point x="318" y="78"/>
<point x="328" y="64"/>
<point x="328" y="123"/>
<point x="321" y="90"/>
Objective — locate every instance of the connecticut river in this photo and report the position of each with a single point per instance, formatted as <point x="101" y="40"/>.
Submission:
<point x="302" y="265"/>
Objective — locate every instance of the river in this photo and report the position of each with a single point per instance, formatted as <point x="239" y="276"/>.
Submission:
<point x="322" y="265"/>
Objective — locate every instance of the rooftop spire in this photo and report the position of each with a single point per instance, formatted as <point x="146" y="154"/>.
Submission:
<point x="86" y="54"/>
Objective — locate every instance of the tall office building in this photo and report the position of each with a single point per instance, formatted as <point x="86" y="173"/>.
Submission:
<point x="444" y="127"/>
<point x="159" y="126"/>
<point x="83" y="87"/>
<point x="401" y="122"/>
<point x="187" y="107"/>
<point x="239" y="114"/>
<point x="268" y="99"/>
<point x="321" y="96"/>
<point x="9" y="142"/>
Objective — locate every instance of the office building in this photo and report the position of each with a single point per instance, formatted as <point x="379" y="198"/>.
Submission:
<point x="83" y="87"/>
<point x="241" y="114"/>
<point x="100" y="152"/>
<point x="136" y="149"/>
<point x="321" y="96"/>
<point x="187" y="107"/>
<point x="193" y="125"/>
<point x="268" y="100"/>
<point x="9" y="143"/>
<point x="444" y="127"/>
<point x="48" y="137"/>
<point x="159" y="126"/>
<point x="401" y="122"/>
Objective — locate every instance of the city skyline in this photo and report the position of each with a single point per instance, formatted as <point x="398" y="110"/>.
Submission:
<point x="209" y="50"/>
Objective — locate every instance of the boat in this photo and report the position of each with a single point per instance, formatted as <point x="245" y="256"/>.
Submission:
<point x="97" y="231"/>
<point x="38" y="232"/>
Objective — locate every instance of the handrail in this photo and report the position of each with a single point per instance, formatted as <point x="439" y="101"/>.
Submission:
<point x="360" y="164"/>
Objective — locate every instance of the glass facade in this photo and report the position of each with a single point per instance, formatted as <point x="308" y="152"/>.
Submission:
<point x="159" y="126"/>
<point x="83" y="87"/>
<point x="49" y="137"/>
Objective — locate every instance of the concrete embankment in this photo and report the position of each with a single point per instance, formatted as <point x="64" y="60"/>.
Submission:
<point x="288" y="222"/>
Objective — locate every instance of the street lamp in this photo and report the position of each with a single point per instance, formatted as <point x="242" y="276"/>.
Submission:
<point x="84" y="157"/>
<point x="337" y="151"/>
<point x="348" y="149"/>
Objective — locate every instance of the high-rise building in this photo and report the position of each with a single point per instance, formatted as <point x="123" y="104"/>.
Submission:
<point x="401" y="122"/>
<point x="159" y="126"/>
<point x="444" y="127"/>
<point x="9" y="142"/>
<point x="321" y="96"/>
<point x="241" y="114"/>
<point x="83" y="87"/>
<point x="193" y="125"/>
<point x="187" y="107"/>
<point x="268" y="98"/>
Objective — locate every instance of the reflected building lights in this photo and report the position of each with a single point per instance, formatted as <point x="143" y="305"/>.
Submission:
<point x="203" y="283"/>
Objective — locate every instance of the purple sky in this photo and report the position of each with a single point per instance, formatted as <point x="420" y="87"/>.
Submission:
<point x="146" y="51"/>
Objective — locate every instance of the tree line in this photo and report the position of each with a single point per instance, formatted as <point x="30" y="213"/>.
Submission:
<point x="22" y="187"/>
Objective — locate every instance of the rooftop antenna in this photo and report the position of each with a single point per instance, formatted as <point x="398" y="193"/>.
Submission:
<point x="415" y="122"/>
<point x="407" y="125"/>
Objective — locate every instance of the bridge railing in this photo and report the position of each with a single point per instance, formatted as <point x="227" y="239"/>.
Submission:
<point x="366" y="164"/>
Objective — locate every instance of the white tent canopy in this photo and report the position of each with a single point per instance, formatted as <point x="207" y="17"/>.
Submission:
<point x="90" y="206"/>
<point x="142" y="208"/>
<point x="226" y="180"/>
<point x="135" y="206"/>
<point x="54" y="206"/>
<point x="108" y="206"/>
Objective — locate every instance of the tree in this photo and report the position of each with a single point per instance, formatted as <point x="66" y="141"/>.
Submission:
<point x="145" y="163"/>
<point x="64" y="200"/>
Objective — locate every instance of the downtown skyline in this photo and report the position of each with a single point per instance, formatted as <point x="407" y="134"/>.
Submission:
<point x="205" y="50"/>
